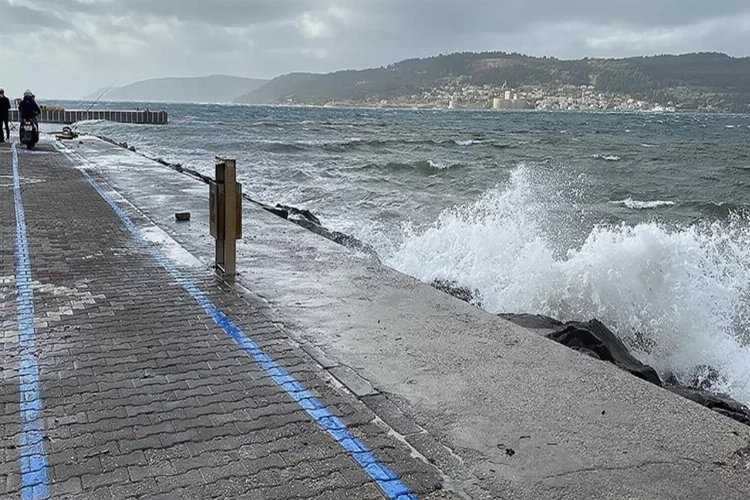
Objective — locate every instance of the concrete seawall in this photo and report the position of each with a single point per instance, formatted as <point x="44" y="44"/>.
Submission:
<point x="501" y="411"/>
<point x="67" y="117"/>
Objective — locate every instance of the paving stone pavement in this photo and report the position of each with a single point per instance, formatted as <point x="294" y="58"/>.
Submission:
<point x="144" y="395"/>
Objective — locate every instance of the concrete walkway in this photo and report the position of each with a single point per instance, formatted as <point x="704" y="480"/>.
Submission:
<point x="130" y="374"/>
<point x="497" y="411"/>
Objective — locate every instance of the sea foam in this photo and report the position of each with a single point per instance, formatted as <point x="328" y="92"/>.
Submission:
<point x="643" y="205"/>
<point x="678" y="296"/>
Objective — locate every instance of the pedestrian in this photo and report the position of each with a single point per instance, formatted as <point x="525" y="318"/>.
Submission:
<point x="4" y="116"/>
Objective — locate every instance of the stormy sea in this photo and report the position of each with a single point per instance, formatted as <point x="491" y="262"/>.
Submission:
<point x="639" y="220"/>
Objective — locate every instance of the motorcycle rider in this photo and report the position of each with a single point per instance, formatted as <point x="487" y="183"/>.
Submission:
<point x="4" y="116"/>
<point x="28" y="109"/>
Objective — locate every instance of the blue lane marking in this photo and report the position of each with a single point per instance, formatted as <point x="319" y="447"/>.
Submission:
<point x="34" y="465"/>
<point x="388" y="482"/>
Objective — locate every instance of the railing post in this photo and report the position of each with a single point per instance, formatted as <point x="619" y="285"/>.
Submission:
<point x="225" y="214"/>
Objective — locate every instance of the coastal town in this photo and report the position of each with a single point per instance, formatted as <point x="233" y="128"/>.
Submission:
<point x="702" y="82"/>
<point x="468" y="96"/>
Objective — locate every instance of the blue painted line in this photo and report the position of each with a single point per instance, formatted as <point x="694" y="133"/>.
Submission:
<point x="388" y="482"/>
<point x="34" y="465"/>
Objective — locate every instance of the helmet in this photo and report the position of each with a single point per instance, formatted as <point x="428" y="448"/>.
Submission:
<point x="28" y="93"/>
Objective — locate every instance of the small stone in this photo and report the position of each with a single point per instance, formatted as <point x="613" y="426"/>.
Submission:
<point x="182" y="216"/>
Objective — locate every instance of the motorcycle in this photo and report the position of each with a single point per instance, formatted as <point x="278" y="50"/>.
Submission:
<point x="29" y="133"/>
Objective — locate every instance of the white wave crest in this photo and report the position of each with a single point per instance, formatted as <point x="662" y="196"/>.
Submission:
<point x="643" y="205"/>
<point x="679" y="296"/>
<point x="464" y="143"/>
<point x="91" y="122"/>
<point x="607" y="157"/>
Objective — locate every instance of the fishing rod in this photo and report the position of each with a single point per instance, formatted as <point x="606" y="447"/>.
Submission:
<point x="75" y="125"/>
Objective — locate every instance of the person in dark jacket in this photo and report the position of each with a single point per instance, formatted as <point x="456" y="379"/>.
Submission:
<point x="28" y="109"/>
<point x="4" y="116"/>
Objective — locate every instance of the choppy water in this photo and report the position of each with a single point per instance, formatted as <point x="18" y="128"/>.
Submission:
<point x="640" y="220"/>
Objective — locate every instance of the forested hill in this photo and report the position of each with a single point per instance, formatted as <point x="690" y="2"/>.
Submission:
<point x="691" y="81"/>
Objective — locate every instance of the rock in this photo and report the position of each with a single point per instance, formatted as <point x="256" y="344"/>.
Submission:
<point x="460" y="292"/>
<point x="182" y="216"/>
<point x="671" y="379"/>
<point x="533" y="321"/>
<point x="306" y="219"/>
<point x="342" y="239"/>
<point x="718" y="402"/>
<point x="277" y="211"/>
<point x="297" y="214"/>
<point x="704" y="378"/>
<point x="67" y="133"/>
<point x="701" y="378"/>
<point x="596" y="340"/>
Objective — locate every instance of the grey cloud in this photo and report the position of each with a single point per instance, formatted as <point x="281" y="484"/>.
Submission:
<point x="97" y="7"/>
<point x="451" y="14"/>
<point x="214" y="12"/>
<point x="494" y="16"/>
<point x="19" y="18"/>
<point x="211" y="12"/>
<point x="136" y="39"/>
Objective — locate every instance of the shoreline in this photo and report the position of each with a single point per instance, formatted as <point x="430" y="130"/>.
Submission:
<point x="363" y="106"/>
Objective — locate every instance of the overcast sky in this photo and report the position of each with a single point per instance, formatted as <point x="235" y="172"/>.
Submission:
<point x="69" y="48"/>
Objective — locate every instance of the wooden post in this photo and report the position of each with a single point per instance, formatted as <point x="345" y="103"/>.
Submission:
<point x="230" y="217"/>
<point x="225" y="223"/>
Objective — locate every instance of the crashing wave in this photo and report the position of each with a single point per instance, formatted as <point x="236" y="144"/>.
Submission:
<point x="678" y="295"/>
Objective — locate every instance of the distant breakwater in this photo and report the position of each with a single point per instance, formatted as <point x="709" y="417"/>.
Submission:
<point x="70" y="116"/>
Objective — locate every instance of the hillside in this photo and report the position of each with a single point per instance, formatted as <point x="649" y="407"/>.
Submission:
<point x="213" y="89"/>
<point x="706" y="81"/>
